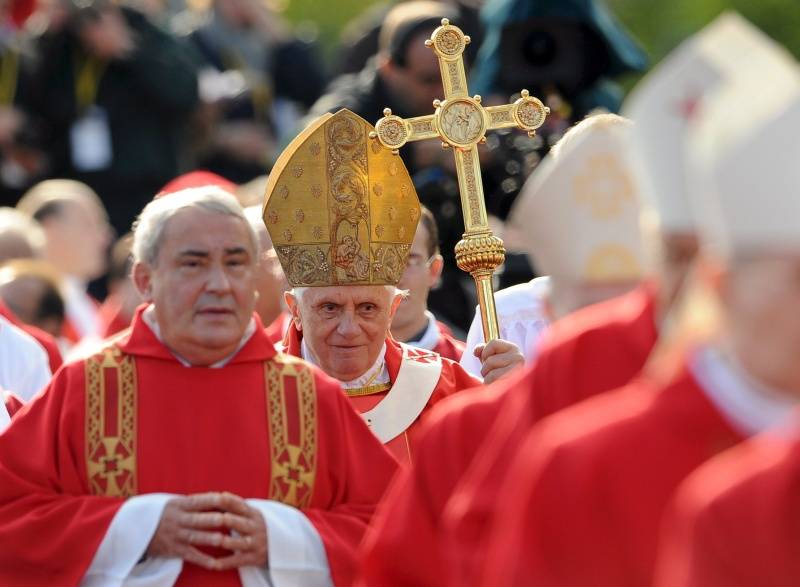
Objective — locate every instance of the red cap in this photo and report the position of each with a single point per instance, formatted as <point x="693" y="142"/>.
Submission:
<point x="196" y="179"/>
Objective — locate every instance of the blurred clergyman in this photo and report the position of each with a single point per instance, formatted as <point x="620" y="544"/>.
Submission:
<point x="270" y="281"/>
<point x="118" y="308"/>
<point x="413" y="323"/>
<point x="77" y="237"/>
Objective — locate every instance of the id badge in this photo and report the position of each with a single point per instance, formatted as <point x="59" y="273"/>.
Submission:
<point x="90" y="140"/>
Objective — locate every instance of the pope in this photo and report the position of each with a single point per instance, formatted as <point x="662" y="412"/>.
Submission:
<point x="342" y="213"/>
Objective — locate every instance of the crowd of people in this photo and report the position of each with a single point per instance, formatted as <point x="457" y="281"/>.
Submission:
<point x="235" y="347"/>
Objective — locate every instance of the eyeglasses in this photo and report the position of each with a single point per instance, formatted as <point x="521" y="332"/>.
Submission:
<point x="415" y="261"/>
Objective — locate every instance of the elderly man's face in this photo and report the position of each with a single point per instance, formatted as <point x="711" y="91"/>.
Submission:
<point x="344" y="326"/>
<point x="202" y="284"/>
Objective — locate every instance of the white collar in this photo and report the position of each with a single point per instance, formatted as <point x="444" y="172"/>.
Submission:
<point x="149" y="318"/>
<point x="430" y="338"/>
<point x="368" y="378"/>
<point x="750" y="406"/>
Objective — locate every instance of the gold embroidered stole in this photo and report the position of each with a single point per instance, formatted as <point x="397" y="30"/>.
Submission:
<point x="292" y="417"/>
<point x="111" y="426"/>
<point x="111" y="423"/>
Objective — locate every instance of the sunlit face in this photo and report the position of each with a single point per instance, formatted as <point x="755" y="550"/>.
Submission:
<point x="420" y="275"/>
<point x="761" y="305"/>
<point x="344" y="326"/>
<point x="202" y="284"/>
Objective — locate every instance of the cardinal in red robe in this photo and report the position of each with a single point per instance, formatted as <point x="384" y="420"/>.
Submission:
<point x="188" y="451"/>
<point x="585" y="496"/>
<point x="617" y="334"/>
<point x="735" y="522"/>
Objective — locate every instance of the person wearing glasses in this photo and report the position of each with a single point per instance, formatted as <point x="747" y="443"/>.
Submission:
<point x="413" y="323"/>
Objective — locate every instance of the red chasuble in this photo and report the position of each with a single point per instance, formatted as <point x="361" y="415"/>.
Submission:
<point x="277" y="329"/>
<point x="452" y="378"/>
<point x="133" y="420"/>
<point x="48" y="342"/>
<point x="448" y="345"/>
<point x="12" y="402"/>
<point x="735" y="522"/>
<point x="585" y="494"/>
<point x="112" y="317"/>
<point x="592" y="351"/>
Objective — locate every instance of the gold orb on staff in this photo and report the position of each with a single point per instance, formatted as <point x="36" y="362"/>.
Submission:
<point x="461" y="123"/>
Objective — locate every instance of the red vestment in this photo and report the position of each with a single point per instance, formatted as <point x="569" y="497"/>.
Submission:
<point x="133" y="420"/>
<point x="277" y="329"/>
<point x="735" y="522"/>
<point x="47" y="341"/>
<point x="13" y="403"/>
<point x="614" y="338"/>
<point x="585" y="493"/>
<point x="448" y="346"/>
<point x="112" y="317"/>
<point x="453" y="378"/>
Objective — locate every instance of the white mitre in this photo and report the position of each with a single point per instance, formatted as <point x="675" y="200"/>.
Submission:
<point x="579" y="213"/>
<point x="672" y="97"/>
<point x="749" y="182"/>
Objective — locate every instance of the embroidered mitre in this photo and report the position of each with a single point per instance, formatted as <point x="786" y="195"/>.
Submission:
<point x="340" y="209"/>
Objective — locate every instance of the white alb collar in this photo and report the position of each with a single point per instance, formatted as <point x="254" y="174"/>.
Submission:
<point x="149" y="318"/>
<point x="750" y="406"/>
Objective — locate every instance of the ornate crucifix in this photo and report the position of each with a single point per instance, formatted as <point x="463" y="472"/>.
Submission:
<point x="460" y="122"/>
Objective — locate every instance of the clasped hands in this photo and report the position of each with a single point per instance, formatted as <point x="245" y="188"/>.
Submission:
<point x="220" y="520"/>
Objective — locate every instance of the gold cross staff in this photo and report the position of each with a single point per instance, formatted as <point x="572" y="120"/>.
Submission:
<point x="461" y="122"/>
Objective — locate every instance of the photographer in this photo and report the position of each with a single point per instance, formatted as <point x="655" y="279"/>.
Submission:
<point x="114" y="92"/>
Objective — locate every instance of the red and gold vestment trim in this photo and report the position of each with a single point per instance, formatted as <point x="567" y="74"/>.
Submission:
<point x="111" y="423"/>
<point x="292" y="417"/>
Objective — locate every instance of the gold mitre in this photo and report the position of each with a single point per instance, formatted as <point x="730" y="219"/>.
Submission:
<point x="340" y="209"/>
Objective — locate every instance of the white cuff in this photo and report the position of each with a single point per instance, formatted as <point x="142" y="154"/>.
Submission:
<point x="296" y="554"/>
<point x="5" y="419"/>
<point x="116" y="562"/>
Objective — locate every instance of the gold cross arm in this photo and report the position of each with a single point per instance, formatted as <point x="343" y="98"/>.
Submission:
<point x="461" y="122"/>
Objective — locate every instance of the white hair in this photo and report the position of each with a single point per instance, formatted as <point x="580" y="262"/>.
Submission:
<point x="298" y="292"/>
<point x="148" y="230"/>
<point x="18" y="224"/>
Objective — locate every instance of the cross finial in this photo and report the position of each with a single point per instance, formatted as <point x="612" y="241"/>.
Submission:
<point x="461" y="122"/>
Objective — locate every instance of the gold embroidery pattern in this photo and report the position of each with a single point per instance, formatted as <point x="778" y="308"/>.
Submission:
<point x="294" y="464"/>
<point x="352" y="198"/>
<point x="604" y="187"/>
<point x="305" y="265"/>
<point x="369" y="390"/>
<point x="389" y="261"/>
<point x="347" y="170"/>
<point x="111" y="434"/>
<point x="612" y="261"/>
